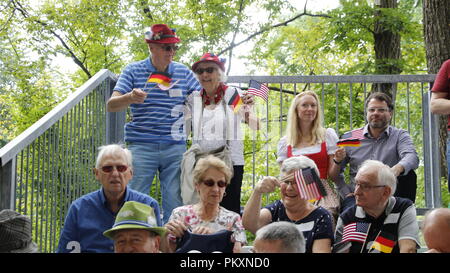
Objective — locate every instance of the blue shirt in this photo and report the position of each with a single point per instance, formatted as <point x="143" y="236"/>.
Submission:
<point x="160" y="118"/>
<point x="316" y="225"/>
<point x="89" y="216"/>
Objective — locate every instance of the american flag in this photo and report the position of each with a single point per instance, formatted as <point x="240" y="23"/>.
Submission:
<point x="258" y="89"/>
<point x="358" y="133"/>
<point x="355" y="232"/>
<point x="307" y="188"/>
<point x="310" y="175"/>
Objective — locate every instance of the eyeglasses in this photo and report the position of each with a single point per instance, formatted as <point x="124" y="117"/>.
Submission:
<point x="119" y="168"/>
<point x="380" y="110"/>
<point x="365" y="187"/>
<point x="209" y="70"/>
<point x="289" y="182"/>
<point x="169" y="48"/>
<point x="211" y="183"/>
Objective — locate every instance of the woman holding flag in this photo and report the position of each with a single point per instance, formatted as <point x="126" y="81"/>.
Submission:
<point x="216" y="113"/>
<point x="305" y="135"/>
<point x="315" y="222"/>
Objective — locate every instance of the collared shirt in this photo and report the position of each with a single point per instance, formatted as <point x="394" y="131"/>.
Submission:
<point x="392" y="147"/>
<point x="407" y="223"/>
<point x="160" y="118"/>
<point x="89" y="216"/>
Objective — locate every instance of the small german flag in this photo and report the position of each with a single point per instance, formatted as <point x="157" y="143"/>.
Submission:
<point x="383" y="243"/>
<point x="235" y="101"/>
<point x="349" y="142"/>
<point x="160" y="77"/>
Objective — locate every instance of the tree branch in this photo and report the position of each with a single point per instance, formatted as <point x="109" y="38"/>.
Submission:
<point x="77" y="61"/>
<point x="285" y="23"/>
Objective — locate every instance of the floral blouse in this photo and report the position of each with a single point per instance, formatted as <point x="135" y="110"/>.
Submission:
<point x="224" y="219"/>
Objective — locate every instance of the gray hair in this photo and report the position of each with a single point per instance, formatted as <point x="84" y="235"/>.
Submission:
<point x="291" y="238"/>
<point x="385" y="176"/>
<point x="114" y="149"/>
<point x="298" y="162"/>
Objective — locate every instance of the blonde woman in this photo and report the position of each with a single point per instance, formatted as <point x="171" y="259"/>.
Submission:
<point x="305" y="135"/>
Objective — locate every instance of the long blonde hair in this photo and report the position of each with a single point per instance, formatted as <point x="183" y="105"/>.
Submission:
<point x="293" y="131"/>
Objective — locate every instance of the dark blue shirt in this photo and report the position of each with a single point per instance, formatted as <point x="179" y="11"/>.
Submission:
<point x="317" y="225"/>
<point x="89" y="216"/>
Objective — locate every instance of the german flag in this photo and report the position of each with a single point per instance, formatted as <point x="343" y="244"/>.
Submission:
<point x="349" y="142"/>
<point x="160" y="77"/>
<point x="383" y="243"/>
<point x="235" y="101"/>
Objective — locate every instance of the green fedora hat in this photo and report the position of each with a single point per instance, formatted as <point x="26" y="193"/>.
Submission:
<point x="135" y="215"/>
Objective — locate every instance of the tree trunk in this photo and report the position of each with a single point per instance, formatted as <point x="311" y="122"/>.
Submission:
<point x="436" y="22"/>
<point x="387" y="49"/>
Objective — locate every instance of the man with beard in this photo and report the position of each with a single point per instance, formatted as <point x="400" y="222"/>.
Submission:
<point x="378" y="140"/>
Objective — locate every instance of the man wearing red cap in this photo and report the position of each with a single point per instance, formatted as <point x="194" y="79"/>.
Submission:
<point x="156" y="89"/>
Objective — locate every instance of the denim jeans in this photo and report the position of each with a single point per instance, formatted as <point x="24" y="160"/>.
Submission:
<point x="164" y="158"/>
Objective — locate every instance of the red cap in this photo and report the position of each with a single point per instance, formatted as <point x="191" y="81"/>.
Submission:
<point x="161" y="34"/>
<point x="210" y="57"/>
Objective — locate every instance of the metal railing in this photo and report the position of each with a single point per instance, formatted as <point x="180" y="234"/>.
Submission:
<point x="49" y="165"/>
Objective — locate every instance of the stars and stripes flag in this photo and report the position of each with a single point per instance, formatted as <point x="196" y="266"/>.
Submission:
<point x="358" y="133"/>
<point x="355" y="232"/>
<point x="258" y="89"/>
<point x="307" y="186"/>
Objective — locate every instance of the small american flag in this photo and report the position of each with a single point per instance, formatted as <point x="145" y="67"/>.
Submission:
<point x="258" y="89"/>
<point x="307" y="188"/>
<point x="358" y="133"/>
<point x="355" y="232"/>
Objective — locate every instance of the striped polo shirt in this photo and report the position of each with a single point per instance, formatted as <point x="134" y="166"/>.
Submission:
<point x="160" y="118"/>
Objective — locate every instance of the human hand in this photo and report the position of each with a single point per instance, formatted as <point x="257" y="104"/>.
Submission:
<point x="248" y="99"/>
<point x="202" y="230"/>
<point x="176" y="228"/>
<point x="340" y="154"/>
<point x="138" y="95"/>
<point x="267" y="184"/>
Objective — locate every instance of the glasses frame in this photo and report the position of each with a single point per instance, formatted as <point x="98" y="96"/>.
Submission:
<point x="366" y="188"/>
<point x="208" y="70"/>
<point x="110" y="168"/>
<point x="169" y="47"/>
<point x="211" y="183"/>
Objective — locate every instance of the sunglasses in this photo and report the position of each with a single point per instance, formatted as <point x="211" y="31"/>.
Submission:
<point x="211" y="183"/>
<point x="119" y="168"/>
<point x="169" y="48"/>
<point x="209" y="70"/>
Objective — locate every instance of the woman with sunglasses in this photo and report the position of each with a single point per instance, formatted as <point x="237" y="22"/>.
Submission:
<point x="314" y="221"/>
<point x="211" y="176"/>
<point x="216" y="119"/>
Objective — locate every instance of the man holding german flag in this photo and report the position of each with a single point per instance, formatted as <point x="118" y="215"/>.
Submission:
<point x="156" y="89"/>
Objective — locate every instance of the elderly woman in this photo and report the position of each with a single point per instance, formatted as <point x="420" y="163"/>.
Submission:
<point x="211" y="176"/>
<point x="305" y="135"/>
<point x="216" y="119"/>
<point x="314" y="222"/>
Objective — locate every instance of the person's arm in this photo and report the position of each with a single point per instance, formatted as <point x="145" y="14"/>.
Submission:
<point x="321" y="246"/>
<point x="439" y="103"/>
<point x="335" y="163"/>
<point x="119" y="102"/>
<point x="408" y="155"/>
<point x="69" y="240"/>
<point x="408" y="231"/>
<point x="254" y="217"/>
<point x="407" y="246"/>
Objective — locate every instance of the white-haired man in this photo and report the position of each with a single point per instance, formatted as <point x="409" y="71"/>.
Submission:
<point x="279" y="237"/>
<point x="91" y="214"/>
<point x="378" y="222"/>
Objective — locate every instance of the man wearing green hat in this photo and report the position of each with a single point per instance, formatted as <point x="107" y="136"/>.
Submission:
<point x="135" y="229"/>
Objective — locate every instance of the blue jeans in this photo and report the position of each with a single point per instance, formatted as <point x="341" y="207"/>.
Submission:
<point x="164" y="158"/>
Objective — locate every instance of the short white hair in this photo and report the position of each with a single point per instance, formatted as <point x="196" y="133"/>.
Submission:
<point x="114" y="149"/>
<point x="296" y="163"/>
<point x="291" y="238"/>
<point x="385" y="176"/>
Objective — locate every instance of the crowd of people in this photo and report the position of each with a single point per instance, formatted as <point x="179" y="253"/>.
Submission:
<point x="373" y="213"/>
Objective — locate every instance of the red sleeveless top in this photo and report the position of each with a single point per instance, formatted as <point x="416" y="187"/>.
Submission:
<point x="320" y="158"/>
